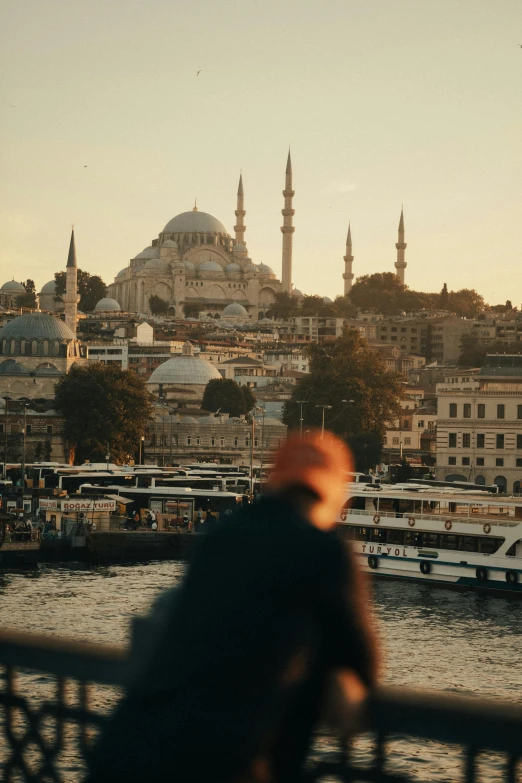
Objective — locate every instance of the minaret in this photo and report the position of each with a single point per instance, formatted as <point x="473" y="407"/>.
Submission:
<point x="239" y="228"/>
<point x="287" y="228"/>
<point x="400" y="264"/>
<point x="71" y="297"/>
<point x="348" y="261"/>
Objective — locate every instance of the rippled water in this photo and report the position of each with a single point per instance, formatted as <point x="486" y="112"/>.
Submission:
<point x="433" y="638"/>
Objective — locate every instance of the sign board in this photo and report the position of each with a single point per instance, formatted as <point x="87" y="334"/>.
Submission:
<point x="88" y="505"/>
<point x="48" y="504"/>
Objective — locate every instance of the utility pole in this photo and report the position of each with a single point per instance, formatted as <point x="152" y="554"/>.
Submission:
<point x="301" y="403"/>
<point x="6" y="402"/>
<point x="324" y="407"/>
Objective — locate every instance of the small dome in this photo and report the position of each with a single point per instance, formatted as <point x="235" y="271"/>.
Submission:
<point x="107" y="305"/>
<point x="37" y="326"/>
<point x="235" y="309"/>
<point x="239" y="249"/>
<point x="179" y="267"/>
<point x="269" y="421"/>
<point x="327" y="300"/>
<point x="189" y="266"/>
<point x="156" y="263"/>
<point x="121" y="272"/>
<point x="11" y="367"/>
<point x="49" y="288"/>
<point x="264" y="269"/>
<point x="232" y="269"/>
<point x="210" y="266"/>
<point x="169" y="243"/>
<point x="149" y="252"/>
<point x="297" y="292"/>
<point x="186" y="369"/>
<point x="194" y="222"/>
<point x="12" y="287"/>
<point x="188" y="420"/>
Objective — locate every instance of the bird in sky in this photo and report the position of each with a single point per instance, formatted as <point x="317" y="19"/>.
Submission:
<point x="198" y="73"/>
<point x="85" y="167"/>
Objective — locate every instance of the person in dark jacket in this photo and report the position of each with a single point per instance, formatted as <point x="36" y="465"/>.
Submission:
<point x="271" y="605"/>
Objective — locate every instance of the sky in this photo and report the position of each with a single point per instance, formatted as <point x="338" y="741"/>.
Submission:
<point x="106" y="124"/>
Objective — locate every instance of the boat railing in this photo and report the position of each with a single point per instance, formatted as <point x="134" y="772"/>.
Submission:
<point x="442" y="517"/>
<point x="394" y="736"/>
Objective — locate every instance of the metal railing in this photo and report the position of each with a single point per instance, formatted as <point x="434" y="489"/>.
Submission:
<point x="442" y="517"/>
<point x="43" y="735"/>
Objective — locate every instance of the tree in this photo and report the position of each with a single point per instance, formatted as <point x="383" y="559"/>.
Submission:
<point x="315" y="306"/>
<point x="347" y="369"/>
<point x="381" y="292"/>
<point x="285" y="306"/>
<point x="29" y="298"/>
<point x="158" y="306"/>
<point x="102" y="405"/>
<point x="91" y="289"/>
<point x="343" y="307"/>
<point x="367" y="450"/>
<point x="193" y="309"/>
<point x="250" y="399"/>
<point x="444" y="297"/>
<point x="226" y="396"/>
<point x="474" y="355"/>
<point x="466" y="302"/>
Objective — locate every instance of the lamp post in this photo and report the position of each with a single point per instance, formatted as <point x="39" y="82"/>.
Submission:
<point x="24" y="434"/>
<point x="6" y="402"/>
<point x="253" y="422"/>
<point x="301" y="403"/>
<point x="263" y="414"/>
<point x="142" y="445"/>
<point x="324" y="408"/>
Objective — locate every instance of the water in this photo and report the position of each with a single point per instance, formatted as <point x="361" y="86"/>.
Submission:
<point x="432" y="638"/>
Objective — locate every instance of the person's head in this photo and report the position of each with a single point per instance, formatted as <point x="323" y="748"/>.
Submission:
<point x="311" y="472"/>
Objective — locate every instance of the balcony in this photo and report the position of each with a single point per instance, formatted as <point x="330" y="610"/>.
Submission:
<point x="45" y="734"/>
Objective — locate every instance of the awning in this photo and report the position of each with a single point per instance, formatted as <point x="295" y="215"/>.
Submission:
<point x="119" y="499"/>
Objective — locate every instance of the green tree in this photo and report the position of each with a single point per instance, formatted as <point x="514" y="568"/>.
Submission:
<point x="285" y="306"/>
<point x="444" y="297"/>
<point x="193" y="309"/>
<point x="250" y="399"/>
<point x="381" y="292"/>
<point x="343" y="307"/>
<point x="101" y="405"/>
<point x="226" y="396"/>
<point x="346" y="369"/>
<point x="367" y="450"/>
<point x="28" y="299"/>
<point x="315" y="305"/>
<point x="158" y="306"/>
<point x="91" y="289"/>
<point x="474" y="355"/>
<point x="466" y="302"/>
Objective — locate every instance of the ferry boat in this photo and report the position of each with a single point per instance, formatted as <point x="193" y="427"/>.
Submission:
<point x="450" y="537"/>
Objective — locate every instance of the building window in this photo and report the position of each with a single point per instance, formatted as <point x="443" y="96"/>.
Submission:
<point x="420" y="423"/>
<point x="466" y="440"/>
<point x="519" y="411"/>
<point x="395" y="441"/>
<point x="501" y="411"/>
<point x="236" y="441"/>
<point x="198" y="441"/>
<point x="519" y="441"/>
<point x="452" y="442"/>
<point x="49" y="429"/>
<point x="222" y="441"/>
<point x="500" y="442"/>
<point x="212" y="441"/>
<point x="499" y="462"/>
<point x="465" y="460"/>
<point x="467" y="410"/>
<point x="189" y="440"/>
<point x="407" y="441"/>
<point x="28" y="429"/>
<point x="519" y="462"/>
<point x="480" y="462"/>
<point x="453" y="410"/>
<point x="481" y="411"/>
<point x="452" y="460"/>
<point x="256" y="443"/>
<point x="481" y="441"/>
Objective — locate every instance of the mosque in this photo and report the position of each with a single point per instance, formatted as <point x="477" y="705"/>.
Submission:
<point x="194" y="260"/>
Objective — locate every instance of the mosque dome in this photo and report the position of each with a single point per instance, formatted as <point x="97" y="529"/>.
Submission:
<point x="189" y="266"/>
<point x="49" y="288"/>
<point x="232" y="269"/>
<point x="121" y="272"/>
<point x="210" y="266"/>
<point x="156" y="263"/>
<point x="107" y="305"/>
<point x="264" y="269"/>
<point x="37" y="326"/>
<point x="235" y="309"/>
<point x="270" y="421"/>
<point x="169" y="243"/>
<point x="188" y="420"/>
<point x="297" y="292"/>
<point x="327" y="300"/>
<point x="12" y="287"/>
<point x="194" y="222"/>
<point x="186" y="369"/>
<point x="149" y="252"/>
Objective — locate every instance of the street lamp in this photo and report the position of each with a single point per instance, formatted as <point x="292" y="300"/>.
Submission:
<point x="142" y="444"/>
<point x="324" y="408"/>
<point x="6" y="402"/>
<point x="24" y="432"/>
<point x="301" y="403"/>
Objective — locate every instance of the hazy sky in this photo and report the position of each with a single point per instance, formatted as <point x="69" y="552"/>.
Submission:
<point x="411" y="101"/>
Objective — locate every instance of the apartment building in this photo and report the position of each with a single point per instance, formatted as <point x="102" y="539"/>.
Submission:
<point x="479" y="430"/>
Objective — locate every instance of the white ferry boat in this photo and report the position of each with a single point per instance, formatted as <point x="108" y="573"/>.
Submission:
<point x="452" y="537"/>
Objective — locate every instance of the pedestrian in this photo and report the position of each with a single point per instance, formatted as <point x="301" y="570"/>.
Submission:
<point x="198" y="522"/>
<point x="136" y="520"/>
<point x="271" y="606"/>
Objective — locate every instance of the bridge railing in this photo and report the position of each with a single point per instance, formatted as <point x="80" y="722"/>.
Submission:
<point x="56" y="695"/>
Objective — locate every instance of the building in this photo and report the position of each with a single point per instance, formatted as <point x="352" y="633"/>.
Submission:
<point x="182" y="379"/>
<point x="9" y="293"/>
<point x="479" y="426"/>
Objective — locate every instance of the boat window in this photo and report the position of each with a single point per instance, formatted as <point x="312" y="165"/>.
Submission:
<point x="449" y="542"/>
<point x="512" y="551"/>
<point x="487" y="546"/>
<point x="361" y="533"/>
<point x="468" y="544"/>
<point x="430" y="539"/>
<point x="395" y="536"/>
<point x="409" y="538"/>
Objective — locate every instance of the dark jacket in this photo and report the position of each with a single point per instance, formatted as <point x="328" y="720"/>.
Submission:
<point x="239" y="669"/>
